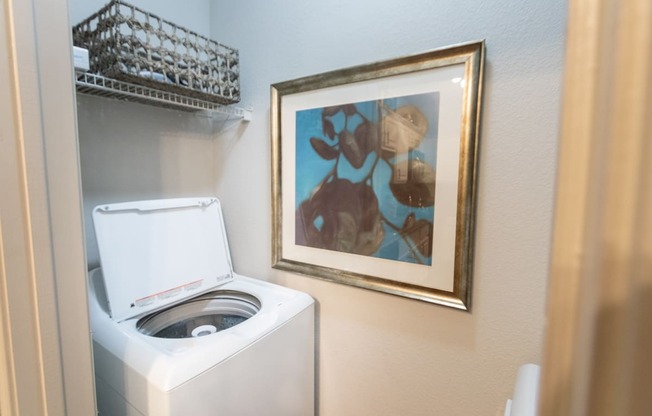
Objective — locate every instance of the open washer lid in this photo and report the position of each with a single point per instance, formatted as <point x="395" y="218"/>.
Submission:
<point x="160" y="252"/>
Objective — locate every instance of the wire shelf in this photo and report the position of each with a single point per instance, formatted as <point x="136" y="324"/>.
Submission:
<point x="93" y="84"/>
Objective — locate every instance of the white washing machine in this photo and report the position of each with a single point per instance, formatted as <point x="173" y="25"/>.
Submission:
<point x="177" y="332"/>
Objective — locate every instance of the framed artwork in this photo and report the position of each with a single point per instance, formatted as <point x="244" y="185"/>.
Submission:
<point x="374" y="174"/>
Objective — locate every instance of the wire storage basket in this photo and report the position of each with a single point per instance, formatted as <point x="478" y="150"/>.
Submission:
<point x="130" y="44"/>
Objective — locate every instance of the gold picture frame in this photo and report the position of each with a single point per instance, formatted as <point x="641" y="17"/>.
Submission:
<point x="374" y="171"/>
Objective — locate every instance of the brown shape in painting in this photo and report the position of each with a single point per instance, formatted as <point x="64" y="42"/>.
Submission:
<point x="348" y="215"/>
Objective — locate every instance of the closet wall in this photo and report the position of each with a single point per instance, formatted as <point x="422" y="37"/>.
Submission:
<point x="133" y="151"/>
<point x="378" y="354"/>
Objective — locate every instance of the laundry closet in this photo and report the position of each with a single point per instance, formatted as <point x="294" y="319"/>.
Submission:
<point x="375" y="353"/>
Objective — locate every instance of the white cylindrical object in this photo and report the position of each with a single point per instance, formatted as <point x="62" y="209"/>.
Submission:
<point x="526" y="391"/>
<point x="203" y="330"/>
<point x="508" y="408"/>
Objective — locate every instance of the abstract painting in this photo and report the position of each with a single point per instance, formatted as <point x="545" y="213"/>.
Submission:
<point x="374" y="174"/>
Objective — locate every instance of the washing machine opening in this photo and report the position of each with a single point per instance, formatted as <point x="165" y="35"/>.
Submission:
<point x="201" y="316"/>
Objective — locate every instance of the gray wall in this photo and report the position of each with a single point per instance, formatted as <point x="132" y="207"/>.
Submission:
<point x="378" y="354"/>
<point x="383" y="355"/>
<point x="131" y="151"/>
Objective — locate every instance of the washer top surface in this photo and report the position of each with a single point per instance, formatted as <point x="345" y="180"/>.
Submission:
<point x="170" y="362"/>
<point x="160" y="252"/>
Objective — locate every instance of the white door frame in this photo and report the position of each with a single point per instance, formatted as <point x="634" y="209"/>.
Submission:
<point x="45" y="342"/>
<point x="599" y="336"/>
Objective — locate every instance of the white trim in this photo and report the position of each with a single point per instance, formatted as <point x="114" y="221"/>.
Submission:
<point x="596" y="359"/>
<point x="59" y="117"/>
<point x="44" y="329"/>
<point x="8" y="392"/>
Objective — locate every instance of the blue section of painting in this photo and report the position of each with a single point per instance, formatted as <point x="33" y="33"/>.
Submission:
<point x="350" y="153"/>
<point x="310" y="168"/>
